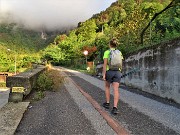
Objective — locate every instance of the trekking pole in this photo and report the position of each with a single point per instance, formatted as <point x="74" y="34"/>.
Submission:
<point x="134" y="70"/>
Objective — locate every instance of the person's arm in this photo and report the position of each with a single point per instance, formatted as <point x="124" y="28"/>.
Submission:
<point x="104" y="68"/>
<point x="122" y="62"/>
<point x="121" y="55"/>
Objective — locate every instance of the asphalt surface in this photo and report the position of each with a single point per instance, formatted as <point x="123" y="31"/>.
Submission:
<point x="135" y="121"/>
<point x="68" y="112"/>
<point x="56" y="114"/>
<point x="65" y="112"/>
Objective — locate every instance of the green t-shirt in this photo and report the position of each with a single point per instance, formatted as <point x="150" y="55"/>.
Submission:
<point x="107" y="55"/>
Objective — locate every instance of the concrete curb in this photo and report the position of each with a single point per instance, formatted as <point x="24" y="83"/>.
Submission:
<point x="10" y="117"/>
<point x="4" y="96"/>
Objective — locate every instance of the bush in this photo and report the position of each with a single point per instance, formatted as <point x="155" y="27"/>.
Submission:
<point x="4" y="69"/>
<point x="49" y="80"/>
<point x="44" y="82"/>
<point x="12" y="68"/>
<point x="56" y="77"/>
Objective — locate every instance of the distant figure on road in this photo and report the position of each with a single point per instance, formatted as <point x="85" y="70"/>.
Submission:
<point x="112" y="74"/>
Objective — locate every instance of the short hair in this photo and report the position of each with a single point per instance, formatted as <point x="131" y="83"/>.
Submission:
<point x="113" y="43"/>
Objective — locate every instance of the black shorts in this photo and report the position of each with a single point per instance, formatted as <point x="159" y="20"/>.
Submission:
<point x="113" y="76"/>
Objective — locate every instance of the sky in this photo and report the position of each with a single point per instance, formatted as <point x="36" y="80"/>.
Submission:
<point x="50" y="14"/>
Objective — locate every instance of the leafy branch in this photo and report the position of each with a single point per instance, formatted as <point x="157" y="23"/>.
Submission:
<point x="173" y="3"/>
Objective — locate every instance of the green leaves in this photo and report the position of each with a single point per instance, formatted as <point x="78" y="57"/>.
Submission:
<point x="151" y="8"/>
<point x="21" y="43"/>
<point x="126" y="20"/>
<point x="87" y="31"/>
<point x="54" y="53"/>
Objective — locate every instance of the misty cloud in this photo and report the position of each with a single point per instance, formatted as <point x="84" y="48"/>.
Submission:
<point x="50" y="14"/>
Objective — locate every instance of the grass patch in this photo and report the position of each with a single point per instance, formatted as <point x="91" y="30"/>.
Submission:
<point x="2" y="84"/>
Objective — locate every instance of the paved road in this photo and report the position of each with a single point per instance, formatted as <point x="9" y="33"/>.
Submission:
<point x="56" y="114"/>
<point x="141" y="115"/>
<point x="65" y="112"/>
<point x="68" y="112"/>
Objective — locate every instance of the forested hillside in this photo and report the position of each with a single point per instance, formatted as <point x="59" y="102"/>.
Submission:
<point x="134" y="23"/>
<point x="22" y="44"/>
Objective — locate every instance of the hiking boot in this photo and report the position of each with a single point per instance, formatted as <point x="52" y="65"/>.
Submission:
<point x="106" y="105"/>
<point x="114" y="111"/>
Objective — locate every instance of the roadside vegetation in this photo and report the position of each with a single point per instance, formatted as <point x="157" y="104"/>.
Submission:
<point x="51" y="80"/>
<point x="136" y="24"/>
<point x="21" y="46"/>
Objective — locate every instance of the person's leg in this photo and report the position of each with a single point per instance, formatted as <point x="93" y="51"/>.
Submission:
<point x="116" y="93"/>
<point x="116" y="97"/>
<point x="115" y="84"/>
<point x="107" y="91"/>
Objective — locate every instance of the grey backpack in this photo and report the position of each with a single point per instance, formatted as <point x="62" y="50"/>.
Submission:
<point x="115" y="62"/>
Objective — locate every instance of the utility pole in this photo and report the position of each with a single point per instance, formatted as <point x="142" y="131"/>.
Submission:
<point x="15" y="63"/>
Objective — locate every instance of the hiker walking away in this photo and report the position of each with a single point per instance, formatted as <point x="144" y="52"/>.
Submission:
<point x="112" y="74"/>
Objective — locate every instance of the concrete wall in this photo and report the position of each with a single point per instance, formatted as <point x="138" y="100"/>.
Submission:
<point x="159" y="70"/>
<point x="4" y="96"/>
<point x="26" y="80"/>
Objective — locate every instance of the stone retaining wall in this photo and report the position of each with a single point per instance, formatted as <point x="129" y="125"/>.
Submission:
<point x="26" y="80"/>
<point x="159" y="70"/>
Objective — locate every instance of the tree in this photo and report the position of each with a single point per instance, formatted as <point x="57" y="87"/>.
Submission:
<point x="87" y="31"/>
<point x="173" y="3"/>
<point x="54" y="54"/>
